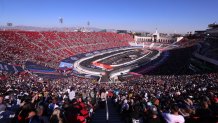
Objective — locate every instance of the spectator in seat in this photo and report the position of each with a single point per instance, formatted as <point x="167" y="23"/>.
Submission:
<point x="6" y="116"/>
<point x="1" y="99"/>
<point x="153" y="116"/>
<point x="174" y="116"/>
<point x="205" y="113"/>
<point x="23" y="115"/>
<point x="53" y="105"/>
<point x="103" y="97"/>
<point x="33" y="118"/>
<point x="71" y="93"/>
<point x="40" y="113"/>
<point x="136" y="113"/>
<point x="80" y="119"/>
<point x="56" y="116"/>
<point x="125" y="110"/>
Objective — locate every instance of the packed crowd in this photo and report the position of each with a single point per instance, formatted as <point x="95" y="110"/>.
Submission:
<point x="27" y="99"/>
<point x="174" y="99"/>
<point x="148" y="99"/>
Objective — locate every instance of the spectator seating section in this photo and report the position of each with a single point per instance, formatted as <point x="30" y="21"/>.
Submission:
<point x="50" y="47"/>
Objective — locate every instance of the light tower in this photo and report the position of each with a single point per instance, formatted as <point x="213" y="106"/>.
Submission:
<point x="61" y="20"/>
<point x="88" y="24"/>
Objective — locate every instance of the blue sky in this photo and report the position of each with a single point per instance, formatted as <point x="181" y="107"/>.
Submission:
<point x="166" y="15"/>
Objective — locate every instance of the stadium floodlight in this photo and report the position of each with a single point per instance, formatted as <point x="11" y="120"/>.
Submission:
<point x="61" y="20"/>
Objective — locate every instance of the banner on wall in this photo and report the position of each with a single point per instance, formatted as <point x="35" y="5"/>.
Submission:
<point x="65" y="64"/>
<point x="10" y="68"/>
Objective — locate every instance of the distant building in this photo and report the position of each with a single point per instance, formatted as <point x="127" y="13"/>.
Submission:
<point x="156" y="37"/>
<point x="122" y="31"/>
<point x="103" y="30"/>
<point x="200" y="34"/>
<point x="10" y="24"/>
<point x="212" y="30"/>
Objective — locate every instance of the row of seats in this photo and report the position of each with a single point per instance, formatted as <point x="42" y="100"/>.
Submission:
<point x="44" y="47"/>
<point x="209" y="48"/>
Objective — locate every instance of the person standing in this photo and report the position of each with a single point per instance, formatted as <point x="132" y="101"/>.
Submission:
<point x="103" y="97"/>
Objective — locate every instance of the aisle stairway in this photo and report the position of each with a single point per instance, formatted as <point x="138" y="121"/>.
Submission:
<point x="100" y="115"/>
